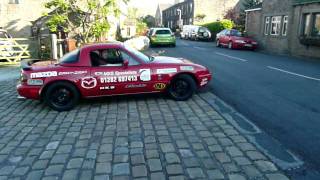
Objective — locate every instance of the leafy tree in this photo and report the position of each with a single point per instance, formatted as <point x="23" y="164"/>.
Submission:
<point x="87" y="19"/>
<point x="200" y="17"/>
<point x="240" y="17"/>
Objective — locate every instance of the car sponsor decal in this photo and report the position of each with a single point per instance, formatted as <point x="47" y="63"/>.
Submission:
<point x="88" y="82"/>
<point x="160" y="86"/>
<point x="44" y="74"/>
<point x="167" y="71"/>
<point x="108" y="88"/>
<point x="115" y="79"/>
<point x="145" y="74"/>
<point x="186" y="68"/>
<point x="204" y="81"/>
<point x="129" y="86"/>
<point x="72" y="73"/>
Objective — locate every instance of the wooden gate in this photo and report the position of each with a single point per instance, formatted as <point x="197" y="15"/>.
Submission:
<point x="12" y="50"/>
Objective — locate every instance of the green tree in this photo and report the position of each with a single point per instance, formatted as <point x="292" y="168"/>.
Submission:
<point x="87" y="19"/>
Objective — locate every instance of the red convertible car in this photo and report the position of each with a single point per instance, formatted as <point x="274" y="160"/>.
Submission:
<point x="234" y="39"/>
<point x="109" y="69"/>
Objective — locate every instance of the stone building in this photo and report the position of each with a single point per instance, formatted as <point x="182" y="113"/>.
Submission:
<point x="198" y="11"/>
<point x="286" y="26"/>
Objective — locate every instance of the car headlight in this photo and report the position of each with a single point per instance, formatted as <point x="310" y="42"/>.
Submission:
<point x="240" y="41"/>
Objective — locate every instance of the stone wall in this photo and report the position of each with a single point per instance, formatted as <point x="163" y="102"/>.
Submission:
<point x="17" y="18"/>
<point x="275" y="43"/>
<point x="296" y="47"/>
<point x="254" y="27"/>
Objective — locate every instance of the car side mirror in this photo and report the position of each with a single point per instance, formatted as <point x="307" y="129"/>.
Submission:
<point x="125" y="63"/>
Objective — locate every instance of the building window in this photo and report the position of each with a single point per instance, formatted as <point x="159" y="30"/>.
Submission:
<point x="14" y="1"/>
<point x="285" y="26"/>
<point x="306" y="24"/>
<point x="275" y="25"/>
<point x="316" y="25"/>
<point x="267" y="26"/>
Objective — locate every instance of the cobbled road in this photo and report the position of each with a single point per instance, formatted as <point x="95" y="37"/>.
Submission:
<point x="129" y="137"/>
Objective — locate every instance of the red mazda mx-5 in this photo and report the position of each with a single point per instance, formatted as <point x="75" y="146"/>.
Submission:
<point x="234" y="39"/>
<point x="109" y="69"/>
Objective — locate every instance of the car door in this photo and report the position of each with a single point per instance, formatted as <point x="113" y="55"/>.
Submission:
<point x="119" y="73"/>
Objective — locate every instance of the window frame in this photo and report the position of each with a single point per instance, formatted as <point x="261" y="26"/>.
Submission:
<point x="313" y="24"/>
<point x="284" y="29"/>
<point x="267" y="25"/>
<point x="277" y="23"/>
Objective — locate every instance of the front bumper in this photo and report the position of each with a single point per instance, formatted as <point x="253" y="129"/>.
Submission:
<point x="163" y="41"/>
<point x="244" y="46"/>
<point x="29" y="92"/>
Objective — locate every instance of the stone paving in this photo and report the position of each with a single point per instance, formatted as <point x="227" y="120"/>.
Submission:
<point x="143" y="137"/>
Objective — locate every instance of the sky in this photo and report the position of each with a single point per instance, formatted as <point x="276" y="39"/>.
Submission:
<point x="148" y="6"/>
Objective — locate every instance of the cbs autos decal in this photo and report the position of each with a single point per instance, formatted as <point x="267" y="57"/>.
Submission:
<point x="124" y="76"/>
<point x="167" y="71"/>
<point x="186" y="68"/>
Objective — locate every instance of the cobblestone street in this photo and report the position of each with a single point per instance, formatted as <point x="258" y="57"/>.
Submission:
<point x="129" y="137"/>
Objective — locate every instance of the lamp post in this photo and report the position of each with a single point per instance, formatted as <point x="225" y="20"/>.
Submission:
<point x="180" y="13"/>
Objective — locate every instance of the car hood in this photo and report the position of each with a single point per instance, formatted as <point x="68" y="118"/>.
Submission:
<point x="170" y="60"/>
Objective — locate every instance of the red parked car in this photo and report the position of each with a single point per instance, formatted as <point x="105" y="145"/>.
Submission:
<point x="109" y="69"/>
<point x="234" y="39"/>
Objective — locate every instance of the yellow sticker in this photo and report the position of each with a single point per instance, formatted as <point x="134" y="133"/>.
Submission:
<point x="159" y="86"/>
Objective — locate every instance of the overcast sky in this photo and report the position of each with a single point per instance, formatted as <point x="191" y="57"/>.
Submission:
<point x="148" y="6"/>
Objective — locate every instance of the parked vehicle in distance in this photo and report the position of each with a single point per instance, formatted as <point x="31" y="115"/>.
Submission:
<point x="109" y="69"/>
<point x="162" y="36"/>
<point x="193" y="32"/>
<point x="234" y="39"/>
<point x="6" y="49"/>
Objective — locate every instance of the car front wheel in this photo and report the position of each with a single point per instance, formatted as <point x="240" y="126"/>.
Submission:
<point x="61" y="96"/>
<point x="182" y="87"/>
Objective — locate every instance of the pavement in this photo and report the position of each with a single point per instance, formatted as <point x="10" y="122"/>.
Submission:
<point x="129" y="137"/>
<point x="277" y="94"/>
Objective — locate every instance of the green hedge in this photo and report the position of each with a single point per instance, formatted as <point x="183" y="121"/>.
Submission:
<point x="216" y="27"/>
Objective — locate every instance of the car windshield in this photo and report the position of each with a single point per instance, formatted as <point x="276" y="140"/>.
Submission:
<point x="139" y="54"/>
<point x="236" y="33"/>
<point x="203" y="29"/>
<point x="160" y="32"/>
<point x="70" y="57"/>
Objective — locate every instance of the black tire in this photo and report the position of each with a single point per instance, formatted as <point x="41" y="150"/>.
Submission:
<point x="174" y="45"/>
<point x="61" y="96"/>
<point x="182" y="87"/>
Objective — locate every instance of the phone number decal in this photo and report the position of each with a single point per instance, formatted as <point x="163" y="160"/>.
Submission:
<point x="119" y="79"/>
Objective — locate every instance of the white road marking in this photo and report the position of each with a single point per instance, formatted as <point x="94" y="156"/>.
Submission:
<point x="201" y="48"/>
<point x="232" y="57"/>
<point x="292" y="73"/>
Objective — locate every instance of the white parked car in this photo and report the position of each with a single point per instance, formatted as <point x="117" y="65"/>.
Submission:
<point x="195" y="32"/>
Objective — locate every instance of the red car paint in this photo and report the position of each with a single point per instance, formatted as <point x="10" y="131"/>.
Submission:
<point x="235" y="39"/>
<point x="144" y="77"/>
